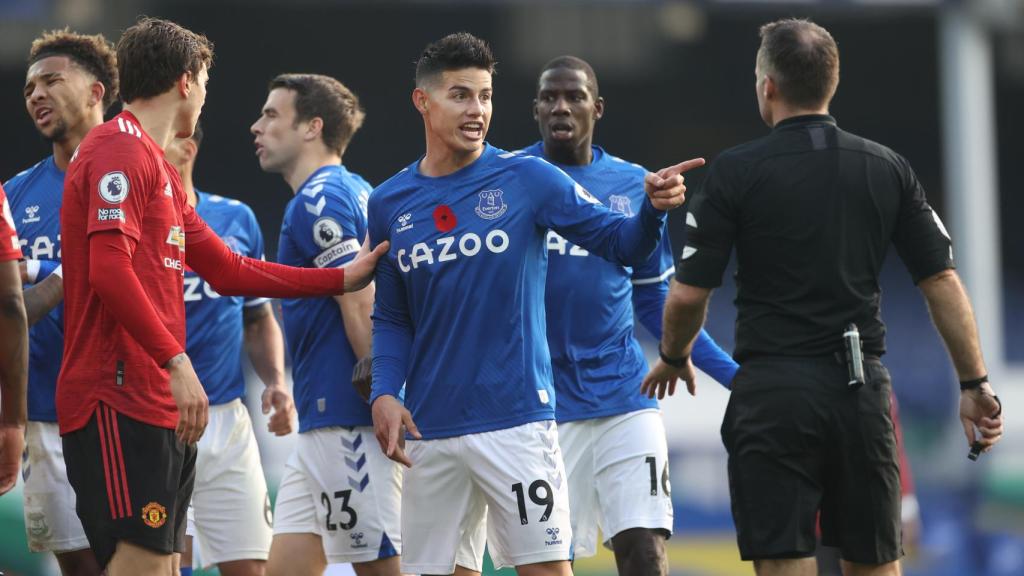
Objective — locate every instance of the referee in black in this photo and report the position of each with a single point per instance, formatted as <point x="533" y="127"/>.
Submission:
<point x="811" y="210"/>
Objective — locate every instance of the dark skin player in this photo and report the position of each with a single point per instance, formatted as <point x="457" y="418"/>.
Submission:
<point x="567" y="109"/>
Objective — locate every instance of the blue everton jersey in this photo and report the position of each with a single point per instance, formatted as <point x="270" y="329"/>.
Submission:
<point x="214" y="322"/>
<point x="324" y="226"/>
<point x="459" y="311"/>
<point x="35" y="198"/>
<point x="598" y="363"/>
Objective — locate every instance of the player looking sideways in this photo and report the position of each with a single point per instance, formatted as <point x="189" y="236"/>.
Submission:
<point x="70" y="82"/>
<point x="339" y="499"/>
<point x="229" y="519"/>
<point x="126" y="225"/>
<point x="612" y="437"/>
<point x="459" y="317"/>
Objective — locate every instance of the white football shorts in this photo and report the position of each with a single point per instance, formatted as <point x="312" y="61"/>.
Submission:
<point x="506" y="486"/>
<point x="51" y="523"/>
<point x="618" y="476"/>
<point x="230" y="516"/>
<point x="339" y="485"/>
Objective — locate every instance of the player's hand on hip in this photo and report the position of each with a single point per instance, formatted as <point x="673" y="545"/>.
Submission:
<point x="188" y="393"/>
<point x="276" y="397"/>
<point x="359" y="272"/>
<point x="390" y="422"/>
<point x="362" y="377"/>
<point x="662" y="378"/>
<point x="982" y="416"/>
<point x="12" y="444"/>
<point x="666" y="188"/>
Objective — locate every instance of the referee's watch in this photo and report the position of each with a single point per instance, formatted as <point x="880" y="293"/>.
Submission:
<point x="674" y="362"/>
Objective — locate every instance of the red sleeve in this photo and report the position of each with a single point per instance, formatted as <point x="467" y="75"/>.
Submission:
<point x="113" y="279"/>
<point x="119" y="183"/>
<point x="906" y="477"/>
<point x="10" y="248"/>
<point x="233" y="275"/>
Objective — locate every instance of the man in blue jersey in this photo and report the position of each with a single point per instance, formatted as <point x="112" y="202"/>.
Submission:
<point x="71" y="80"/>
<point x="229" y="521"/>
<point x="613" y="437"/>
<point x="339" y="499"/>
<point x="459" y="317"/>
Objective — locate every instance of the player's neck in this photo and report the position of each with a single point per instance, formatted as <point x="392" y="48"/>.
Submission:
<point x="440" y="160"/>
<point x="783" y="112"/>
<point x="581" y="155"/>
<point x="65" y="149"/>
<point x="157" y="119"/>
<point x="305" y="165"/>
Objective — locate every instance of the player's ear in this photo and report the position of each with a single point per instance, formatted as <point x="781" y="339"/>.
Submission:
<point x="419" y="100"/>
<point x="191" y="149"/>
<point x="598" y="108"/>
<point x="96" y="93"/>
<point x="535" y="109"/>
<point x="770" y="89"/>
<point x="183" y="84"/>
<point x="314" y="128"/>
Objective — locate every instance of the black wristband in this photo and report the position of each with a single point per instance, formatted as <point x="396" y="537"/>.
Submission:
<point x="674" y="362"/>
<point x="972" y="384"/>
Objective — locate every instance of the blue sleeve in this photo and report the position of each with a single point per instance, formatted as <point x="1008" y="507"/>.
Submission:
<point x="46" y="267"/>
<point x="328" y="229"/>
<point x="392" y="326"/>
<point x="712" y="360"/>
<point x="567" y="208"/>
<point x="256" y="249"/>
<point x="650" y="285"/>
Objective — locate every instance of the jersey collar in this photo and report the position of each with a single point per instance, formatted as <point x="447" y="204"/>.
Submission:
<point x="804" y="120"/>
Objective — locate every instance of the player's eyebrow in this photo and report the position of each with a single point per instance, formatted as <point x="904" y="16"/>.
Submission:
<point x="43" y="76"/>
<point x="269" y="110"/>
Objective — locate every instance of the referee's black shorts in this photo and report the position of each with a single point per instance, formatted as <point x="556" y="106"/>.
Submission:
<point x="133" y="482"/>
<point x="799" y="442"/>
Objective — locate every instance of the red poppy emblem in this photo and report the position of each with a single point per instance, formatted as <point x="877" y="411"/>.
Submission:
<point x="444" y="218"/>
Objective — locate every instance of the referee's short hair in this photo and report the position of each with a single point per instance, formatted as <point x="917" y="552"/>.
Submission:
<point x="803" y="60"/>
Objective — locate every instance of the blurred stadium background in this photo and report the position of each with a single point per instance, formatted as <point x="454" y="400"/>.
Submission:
<point x="940" y="81"/>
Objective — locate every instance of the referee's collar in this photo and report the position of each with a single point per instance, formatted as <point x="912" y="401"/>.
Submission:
<point x="805" y="119"/>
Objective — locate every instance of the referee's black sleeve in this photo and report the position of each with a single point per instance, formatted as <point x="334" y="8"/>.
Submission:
<point x="920" y="237"/>
<point x="710" y="230"/>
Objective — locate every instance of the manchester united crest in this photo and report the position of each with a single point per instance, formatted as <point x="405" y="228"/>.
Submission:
<point x="154" y="514"/>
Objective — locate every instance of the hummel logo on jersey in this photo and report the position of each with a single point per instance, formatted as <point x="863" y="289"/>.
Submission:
<point x="491" y="204"/>
<point x="176" y="237"/>
<point x="113" y="187"/>
<point x="449" y="248"/>
<point x="105" y="214"/>
<point x="553" y="539"/>
<point x="31" y="215"/>
<point x="404" y="222"/>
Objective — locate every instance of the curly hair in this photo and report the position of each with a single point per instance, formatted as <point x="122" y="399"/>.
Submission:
<point x="92" y="53"/>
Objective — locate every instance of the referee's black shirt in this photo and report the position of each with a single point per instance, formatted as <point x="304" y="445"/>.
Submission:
<point x="811" y="210"/>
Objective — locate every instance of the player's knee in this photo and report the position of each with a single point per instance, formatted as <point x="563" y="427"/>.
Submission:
<point x="641" y="551"/>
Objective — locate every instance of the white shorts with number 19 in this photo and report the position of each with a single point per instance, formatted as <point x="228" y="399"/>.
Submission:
<point x="512" y="481"/>
<point x="339" y="485"/>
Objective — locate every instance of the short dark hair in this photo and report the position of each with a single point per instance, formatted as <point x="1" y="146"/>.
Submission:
<point x="92" y="53"/>
<point x="573" y="63"/>
<point x="154" y="53"/>
<point x="453" y="52"/>
<point x="802" y="59"/>
<point x="319" y="96"/>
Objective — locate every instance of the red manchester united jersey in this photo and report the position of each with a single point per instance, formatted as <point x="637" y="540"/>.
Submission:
<point x="10" y="249"/>
<point x="119" y="181"/>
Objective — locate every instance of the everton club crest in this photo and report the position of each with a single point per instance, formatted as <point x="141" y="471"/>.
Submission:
<point x="620" y="204"/>
<point x="491" y="205"/>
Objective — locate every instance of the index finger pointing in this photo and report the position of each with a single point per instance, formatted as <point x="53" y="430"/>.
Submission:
<point x="682" y="167"/>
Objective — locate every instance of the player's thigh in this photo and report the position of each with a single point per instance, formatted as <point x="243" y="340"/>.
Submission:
<point x="632" y="473"/>
<point x="442" y="512"/>
<point x="296" y="555"/>
<point x="577" y="442"/>
<point x="359" y="492"/>
<point x="131" y="560"/>
<point x="51" y="524"/>
<point x="522" y="475"/>
<point x="230" y="503"/>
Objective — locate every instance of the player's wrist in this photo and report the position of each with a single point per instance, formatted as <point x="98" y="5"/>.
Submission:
<point x="177" y="362"/>
<point x="674" y="361"/>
